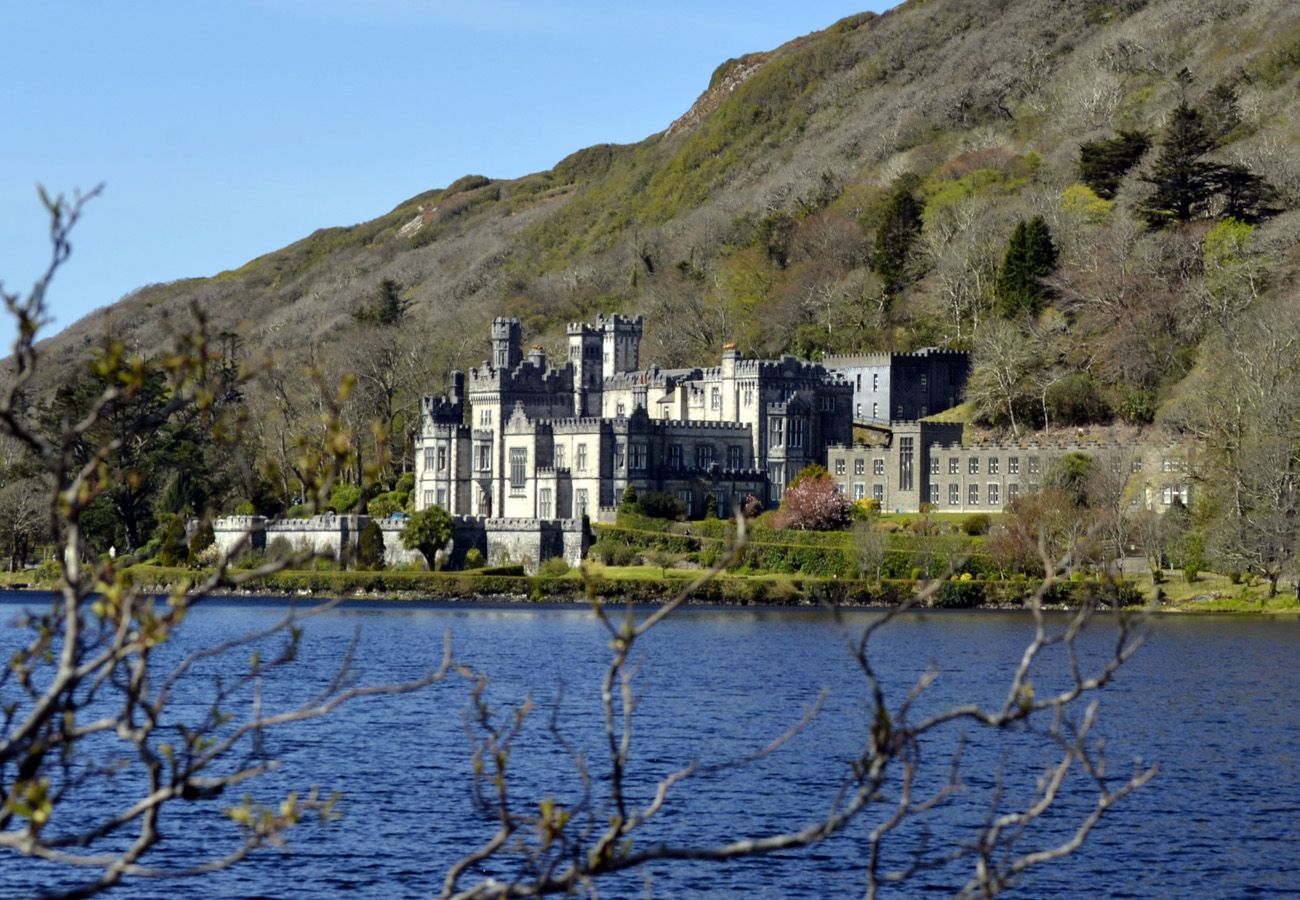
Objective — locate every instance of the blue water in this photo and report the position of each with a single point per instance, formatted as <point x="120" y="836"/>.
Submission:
<point x="1211" y="700"/>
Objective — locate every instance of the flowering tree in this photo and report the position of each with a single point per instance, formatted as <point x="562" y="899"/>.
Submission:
<point x="813" y="502"/>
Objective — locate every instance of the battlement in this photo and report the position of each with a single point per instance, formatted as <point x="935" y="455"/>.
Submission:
<point x="734" y="427"/>
<point x="530" y="375"/>
<point x="444" y="410"/>
<point x="1034" y="447"/>
<point x="885" y="357"/>
<point x="239" y="523"/>
<point x="577" y="423"/>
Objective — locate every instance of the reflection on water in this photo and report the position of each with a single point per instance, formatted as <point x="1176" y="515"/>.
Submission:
<point x="1210" y="699"/>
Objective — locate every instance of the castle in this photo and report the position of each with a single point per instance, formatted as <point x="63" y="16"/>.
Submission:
<point x="520" y="438"/>
<point x="524" y="453"/>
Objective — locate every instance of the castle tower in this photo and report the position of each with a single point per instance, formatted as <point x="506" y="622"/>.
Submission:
<point x="585" y="356"/>
<point x="507" y="351"/>
<point x="622" y="344"/>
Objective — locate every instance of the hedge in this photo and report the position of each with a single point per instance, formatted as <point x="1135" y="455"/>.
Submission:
<point x="723" y="590"/>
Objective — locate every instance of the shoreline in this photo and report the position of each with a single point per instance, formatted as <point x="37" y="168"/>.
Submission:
<point x="578" y="599"/>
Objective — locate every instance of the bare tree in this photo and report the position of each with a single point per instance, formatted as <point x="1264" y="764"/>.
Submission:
<point x="84" y="699"/>
<point x="1247" y="414"/>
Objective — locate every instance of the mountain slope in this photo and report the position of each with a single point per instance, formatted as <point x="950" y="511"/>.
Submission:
<point x="754" y="217"/>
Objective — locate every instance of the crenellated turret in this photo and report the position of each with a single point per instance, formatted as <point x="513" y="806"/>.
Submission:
<point x="507" y="350"/>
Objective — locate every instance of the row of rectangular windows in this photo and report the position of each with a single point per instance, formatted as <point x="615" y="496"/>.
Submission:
<point x="436" y="458"/>
<point x="993" y="494"/>
<point x="954" y="465"/>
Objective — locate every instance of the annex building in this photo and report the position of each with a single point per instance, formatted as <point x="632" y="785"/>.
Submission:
<point x="920" y="463"/>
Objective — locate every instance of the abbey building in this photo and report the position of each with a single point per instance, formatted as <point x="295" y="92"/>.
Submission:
<point x="521" y="437"/>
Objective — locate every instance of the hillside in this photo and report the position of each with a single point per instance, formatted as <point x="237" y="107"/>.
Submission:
<point x="763" y="216"/>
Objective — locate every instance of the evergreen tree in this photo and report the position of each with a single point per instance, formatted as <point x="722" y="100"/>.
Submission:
<point x="1246" y="197"/>
<point x="1103" y="164"/>
<point x="1031" y="257"/>
<point x="900" y="223"/>
<point x="387" y="308"/>
<point x="370" y="547"/>
<point x="1184" y="180"/>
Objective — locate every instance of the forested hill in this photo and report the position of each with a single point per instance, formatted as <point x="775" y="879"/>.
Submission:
<point x="1082" y="192"/>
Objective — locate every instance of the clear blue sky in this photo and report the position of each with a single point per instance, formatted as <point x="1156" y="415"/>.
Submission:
<point x="225" y="130"/>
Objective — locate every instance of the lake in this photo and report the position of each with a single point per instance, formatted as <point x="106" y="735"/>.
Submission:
<point x="1210" y="699"/>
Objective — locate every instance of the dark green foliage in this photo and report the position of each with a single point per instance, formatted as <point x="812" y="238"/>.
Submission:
<point x="774" y="233"/>
<point x="428" y="531"/>
<point x="900" y="223"/>
<point x="661" y="505"/>
<point x="1070" y="473"/>
<point x="1186" y="183"/>
<point x="1103" y="164"/>
<point x="405" y="483"/>
<point x="387" y="306"/>
<point x="1246" y="197"/>
<point x="976" y="524"/>
<point x="554" y="567"/>
<point x="203" y="538"/>
<point x="711" y="506"/>
<point x="1183" y="178"/>
<point x="163" y="463"/>
<point x="1077" y="400"/>
<point x="171" y="540"/>
<point x="1031" y="257"/>
<point x="1221" y="111"/>
<point x="473" y="558"/>
<point x="384" y="505"/>
<point x="506" y="569"/>
<point x="370" y="548"/>
<point x="344" y="498"/>
<point x="629" y="503"/>
<point x="1138" y="407"/>
<point x="959" y="595"/>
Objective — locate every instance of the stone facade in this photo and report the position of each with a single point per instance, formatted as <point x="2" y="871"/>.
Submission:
<point x="523" y="439"/>
<point x="327" y="535"/>
<point x="951" y="476"/>
<point x="900" y="387"/>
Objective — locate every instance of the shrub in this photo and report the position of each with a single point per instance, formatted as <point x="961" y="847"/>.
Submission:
<point x="49" y="570"/>
<point x="512" y="569"/>
<point x="251" y="559"/>
<point x="245" y="508"/>
<point x="975" y="524"/>
<point x="204" y="538"/>
<point x="554" y="567"/>
<point x="959" y="595"/>
<point x="661" y="505"/>
<point x="473" y="558"/>
<point x="384" y="505"/>
<point x="370" y="548"/>
<point x="344" y="498"/>
<point x="405" y="483"/>
<point x="279" y="548"/>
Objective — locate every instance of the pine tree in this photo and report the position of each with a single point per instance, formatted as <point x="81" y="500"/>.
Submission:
<point x="1031" y="257"/>
<point x="1103" y="164"/>
<point x="1246" y="196"/>
<point x="900" y="223"/>
<point x="1184" y="181"/>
